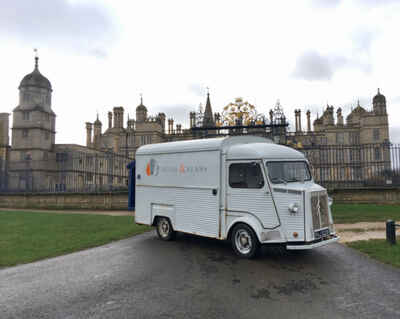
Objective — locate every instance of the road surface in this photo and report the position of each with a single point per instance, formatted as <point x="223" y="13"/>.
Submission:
<point x="192" y="277"/>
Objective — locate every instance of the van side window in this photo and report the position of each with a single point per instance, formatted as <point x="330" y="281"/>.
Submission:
<point x="245" y="175"/>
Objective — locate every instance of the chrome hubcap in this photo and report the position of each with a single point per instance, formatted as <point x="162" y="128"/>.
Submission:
<point x="243" y="241"/>
<point x="163" y="228"/>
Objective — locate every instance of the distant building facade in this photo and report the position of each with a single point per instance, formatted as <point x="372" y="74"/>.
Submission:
<point x="34" y="161"/>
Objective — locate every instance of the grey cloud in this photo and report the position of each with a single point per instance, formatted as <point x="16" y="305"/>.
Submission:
<point x="84" y="28"/>
<point x="312" y="66"/>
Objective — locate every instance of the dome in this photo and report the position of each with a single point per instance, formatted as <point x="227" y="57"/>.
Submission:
<point x="97" y="122"/>
<point x="35" y="79"/>
<point x="141" y="107"/>
<point x="379" y="98"/>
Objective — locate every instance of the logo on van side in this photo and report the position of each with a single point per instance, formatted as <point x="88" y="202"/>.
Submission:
<point x="152" y="168"/>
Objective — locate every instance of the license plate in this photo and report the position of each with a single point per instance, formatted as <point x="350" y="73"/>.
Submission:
<point x="322" y="233"/>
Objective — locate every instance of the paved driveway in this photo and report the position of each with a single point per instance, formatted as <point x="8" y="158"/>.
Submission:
<point x="193" y="277"/>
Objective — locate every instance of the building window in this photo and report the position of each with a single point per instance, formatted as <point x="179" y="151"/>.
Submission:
<point x="89" y="177"/>
<point x="61" y="157"/>
<point x="24" y="133"/>
<point x="26" y="156"/>
<point x="376" y="134"/>
<point x="354" y="138"/>
<point x="46" y="116"/>
<point x="245" y="175"/>
<point x="26" y="115"/>
<point x="340" y="138"/>
<point x="377" y="154"/>
<point x="145" y="139"/>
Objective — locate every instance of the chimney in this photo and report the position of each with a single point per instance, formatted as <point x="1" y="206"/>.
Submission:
<point x="296" y="120"/>
<point x="308" y="121"/>
<point x="88" y="134"/>
<point x="116" y="117"/>
<point x="110" y="116"/>
<point x="299" y="112"/>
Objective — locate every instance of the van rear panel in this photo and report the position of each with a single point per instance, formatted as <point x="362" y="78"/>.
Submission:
<point x="182" y="186"/>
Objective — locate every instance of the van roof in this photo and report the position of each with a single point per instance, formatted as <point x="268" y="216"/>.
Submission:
<point x="263" y="150"/>
<point x="236" y="147"/>
<point x="204" y="144"/>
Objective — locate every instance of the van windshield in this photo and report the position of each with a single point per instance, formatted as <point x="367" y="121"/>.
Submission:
<point x="286" y="172"/>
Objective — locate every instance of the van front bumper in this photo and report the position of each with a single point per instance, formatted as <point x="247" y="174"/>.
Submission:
<point x="313" y="244"/>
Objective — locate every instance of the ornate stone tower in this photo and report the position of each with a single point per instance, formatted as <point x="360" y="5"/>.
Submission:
<point x="379" y="104"/>
<point x="34" y="122"/>
<point x="141" y="112"/>
<point x="32" y="158"/>
<point x="208" y="120"/>
<point x="97" y="133"/>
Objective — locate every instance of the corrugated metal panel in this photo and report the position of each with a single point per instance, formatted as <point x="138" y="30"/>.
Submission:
<point x="291" y="222"/>
<point x="255" y="201"/>
<point x="196" y="210"/>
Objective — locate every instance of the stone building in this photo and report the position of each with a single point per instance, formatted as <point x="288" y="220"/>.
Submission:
<point x="34" y="162"/>
<point x="145" y="129"/>
<point x="361" y="127"/>
<point x="338" y="149"/>
<point x="357" y="150"/>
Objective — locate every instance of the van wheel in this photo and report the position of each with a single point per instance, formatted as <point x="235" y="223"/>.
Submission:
<point x="164" y="229"/>
<point x="245" y="242"/>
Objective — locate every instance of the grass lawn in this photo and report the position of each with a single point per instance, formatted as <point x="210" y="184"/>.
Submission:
<point x="379" y="249"/>
<point x="355" y="213"/>
<point x="28" y="236"/>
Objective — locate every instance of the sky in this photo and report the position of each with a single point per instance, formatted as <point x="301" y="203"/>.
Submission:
<point x="102" y="54"/>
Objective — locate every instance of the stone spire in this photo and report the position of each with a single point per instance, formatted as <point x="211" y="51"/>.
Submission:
<point x="208" y="120"/>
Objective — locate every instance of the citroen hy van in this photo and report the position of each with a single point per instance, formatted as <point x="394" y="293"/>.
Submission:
<point x="244" y="189"/>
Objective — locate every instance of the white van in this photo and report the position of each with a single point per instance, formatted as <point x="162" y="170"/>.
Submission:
<point x="245" y="189"/>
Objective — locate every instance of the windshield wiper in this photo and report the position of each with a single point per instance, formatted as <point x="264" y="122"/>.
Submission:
<point x="278" y="180"/>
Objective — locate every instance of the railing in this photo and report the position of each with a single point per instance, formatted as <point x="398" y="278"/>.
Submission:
<point x="334" y="167"/>
<point x="355" y="166"/>
<point x="67" y="172"/>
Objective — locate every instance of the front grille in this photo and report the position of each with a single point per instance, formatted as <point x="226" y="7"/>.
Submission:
<point x="319" y="209"/>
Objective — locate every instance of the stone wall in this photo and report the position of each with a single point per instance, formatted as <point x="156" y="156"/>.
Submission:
<point x="367" y="196"/>
<point x="99" y="201"/>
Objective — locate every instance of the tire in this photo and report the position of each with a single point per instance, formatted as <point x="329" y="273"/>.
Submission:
<point x="164" y="229"/>
<point x="245" y="242"/>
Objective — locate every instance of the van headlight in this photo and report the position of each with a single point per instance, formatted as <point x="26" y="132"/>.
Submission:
<point x="293" y="208"/>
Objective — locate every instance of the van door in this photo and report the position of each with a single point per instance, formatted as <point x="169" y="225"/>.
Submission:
<point x="248" y="192"/>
